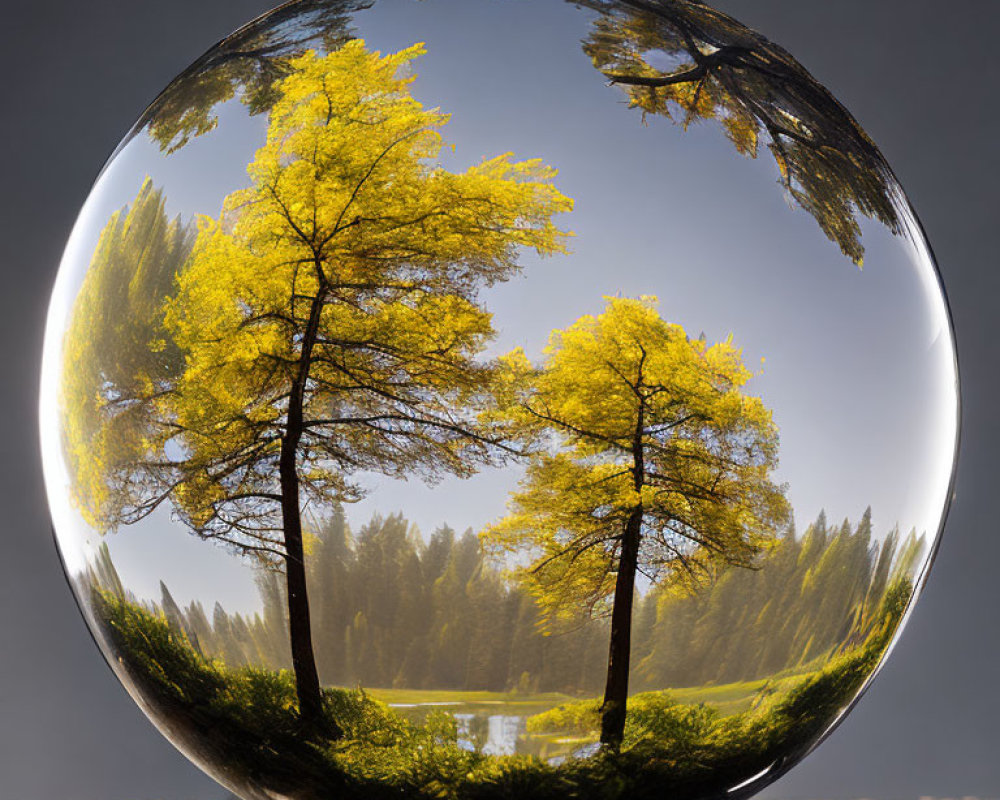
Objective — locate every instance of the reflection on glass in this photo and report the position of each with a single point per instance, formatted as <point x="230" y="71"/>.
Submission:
<point x="326" y="303"/>
<point x="249" y="64"/>
<point x="689" y="62"/>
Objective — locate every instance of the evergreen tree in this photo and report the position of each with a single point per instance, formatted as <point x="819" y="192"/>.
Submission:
<point x="330" y="584"/>
<point x="227" y="645"/>
<point x="199" y="625"/>
<point x="175" y="617"/>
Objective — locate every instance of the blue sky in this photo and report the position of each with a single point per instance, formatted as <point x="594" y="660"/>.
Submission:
<point x="858" y="368"/>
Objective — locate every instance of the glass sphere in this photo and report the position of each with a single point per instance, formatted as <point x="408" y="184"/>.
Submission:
<point x="487" y="400"/>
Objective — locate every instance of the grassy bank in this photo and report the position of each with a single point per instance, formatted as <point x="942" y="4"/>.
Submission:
<point x="416" y="697"/>
<point x="728" y="699"/>
<point x="244" y="722"/>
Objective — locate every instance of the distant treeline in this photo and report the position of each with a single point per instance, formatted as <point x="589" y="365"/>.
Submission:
<point x="813" y="595"/>
<point x="390" y="609"/>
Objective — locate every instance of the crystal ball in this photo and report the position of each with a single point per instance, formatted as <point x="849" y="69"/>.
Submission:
<point x="497" y="400"/>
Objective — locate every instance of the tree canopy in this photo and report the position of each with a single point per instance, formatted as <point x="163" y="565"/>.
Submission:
<point x="118" y="357"/>
<point x="626" y="411"/>
<point x="681" y="59"/>
<point x="344" y="281"/>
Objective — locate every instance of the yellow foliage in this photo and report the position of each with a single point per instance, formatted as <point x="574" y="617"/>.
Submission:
<point x="627" y="413"/>
<point x="117" y="357"/>
<point x="333" y="304"/>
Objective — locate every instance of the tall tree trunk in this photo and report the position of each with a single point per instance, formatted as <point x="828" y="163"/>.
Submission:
<point x="307" y="686"/>
<point x="620" y="651"/>
<point x="616" y="688"/>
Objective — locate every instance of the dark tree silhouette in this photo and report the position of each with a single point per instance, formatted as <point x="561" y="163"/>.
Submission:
<point x="685" y="58"/>
<point x="249" y="64"/>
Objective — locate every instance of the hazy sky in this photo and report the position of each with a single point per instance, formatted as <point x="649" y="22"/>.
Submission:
<point x="858" y="363"/>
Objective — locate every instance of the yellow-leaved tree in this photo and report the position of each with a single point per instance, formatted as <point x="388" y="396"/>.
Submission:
<point x="329" y="319"/>
<point x="117" y="357"/>
<point x="647" y="459"/>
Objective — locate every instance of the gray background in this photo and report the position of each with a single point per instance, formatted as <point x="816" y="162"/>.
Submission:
<point x="922" y="78"/>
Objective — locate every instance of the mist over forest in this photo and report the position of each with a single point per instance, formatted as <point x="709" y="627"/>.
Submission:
<point x="393" y="610"/>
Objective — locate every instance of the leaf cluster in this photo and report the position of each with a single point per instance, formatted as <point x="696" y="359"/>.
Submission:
<point x="687" y="61"/>
<point x="246" y="65"/>
<point x="626" y="413"/>
<point x="118" y="358"/>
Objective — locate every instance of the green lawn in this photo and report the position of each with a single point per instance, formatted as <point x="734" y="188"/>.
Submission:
<point x="404" y="697"/>
<point x="247" y="718"/>
<point x="730" y="698"/>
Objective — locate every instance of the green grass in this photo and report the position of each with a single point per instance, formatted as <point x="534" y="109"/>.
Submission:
<point x="679" y="744"/>
<point x="730" y="698"/>
<point x="735" y="698"/>
<point x="398" y="697"/>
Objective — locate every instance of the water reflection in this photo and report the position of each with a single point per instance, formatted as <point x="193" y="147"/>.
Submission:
<point x="503" y="734"/>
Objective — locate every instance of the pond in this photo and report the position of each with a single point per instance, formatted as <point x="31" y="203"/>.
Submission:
<point x="496" y="728"/>
<point x="493" y="734"/>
